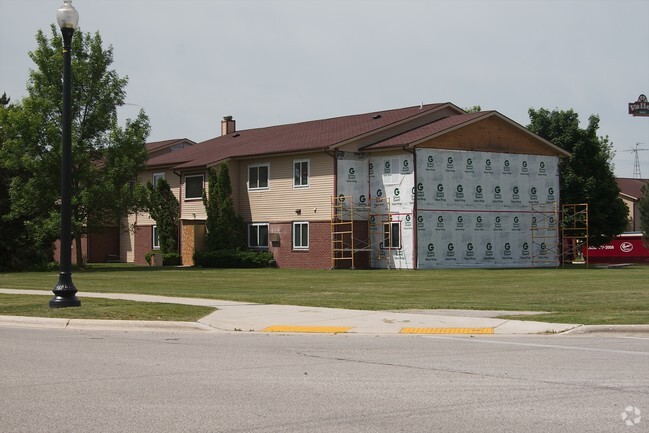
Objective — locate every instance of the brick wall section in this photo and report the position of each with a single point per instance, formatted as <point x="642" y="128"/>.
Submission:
<point x="84" y="248"/>
<point x="318" y="256"/>
<point x="102" y="244"/>
<point x="143" y="243"/>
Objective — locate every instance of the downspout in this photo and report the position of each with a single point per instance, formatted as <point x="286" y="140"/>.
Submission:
<point x="333" y="156"/>
<point x="415" y="234"/>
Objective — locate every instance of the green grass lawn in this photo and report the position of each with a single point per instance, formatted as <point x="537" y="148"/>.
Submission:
<point x="573" y="295"/>
<point x="95" y="308"/>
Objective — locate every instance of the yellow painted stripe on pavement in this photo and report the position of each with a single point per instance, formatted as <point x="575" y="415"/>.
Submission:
<point x="314" y="329"/>
<point x="447" y="330"/>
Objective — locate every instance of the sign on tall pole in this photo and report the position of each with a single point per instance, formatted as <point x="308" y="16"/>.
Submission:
<point x="639" y="107"/>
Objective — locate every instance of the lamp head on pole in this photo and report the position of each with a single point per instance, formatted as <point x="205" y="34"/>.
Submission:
<point x="67" y="16"/>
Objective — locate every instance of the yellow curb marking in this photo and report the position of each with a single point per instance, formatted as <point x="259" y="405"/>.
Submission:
<point x="314" y="329"/>
<point x="447" y="330"/>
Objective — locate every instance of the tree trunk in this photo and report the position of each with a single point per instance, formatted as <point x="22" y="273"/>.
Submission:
<point x="80" y="263"/>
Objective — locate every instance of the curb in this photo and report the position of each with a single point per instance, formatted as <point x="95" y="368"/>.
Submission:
<point x="102" y="325"/>
<point x="593" y="329"/>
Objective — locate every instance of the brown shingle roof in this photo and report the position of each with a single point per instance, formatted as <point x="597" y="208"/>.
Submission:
<point x="427" y="130"/>
<point x="155" y="145"/>
<point x="631" y="187"/>
<point x="296" y="137"/>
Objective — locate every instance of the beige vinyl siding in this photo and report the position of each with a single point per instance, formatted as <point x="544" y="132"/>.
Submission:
<point x="143" y="218"/>
<point x="281" y="199"/>
<point x="193" y="209"/>
<point x="127" y="240"/>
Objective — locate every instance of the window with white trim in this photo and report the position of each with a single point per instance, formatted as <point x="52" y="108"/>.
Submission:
<point x="258" y="235"/>
<point x="258" y="176"/>
<point x="392" y="235"/>
<point x="301" y="173"/>
<point x="154" y="238"/>
<point x="157" y="177"/>
<point x="300" y="235"/>
<point x="194" y="187"/>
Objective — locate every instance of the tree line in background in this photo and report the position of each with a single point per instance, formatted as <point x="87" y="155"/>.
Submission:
<point x="107" y="157"/>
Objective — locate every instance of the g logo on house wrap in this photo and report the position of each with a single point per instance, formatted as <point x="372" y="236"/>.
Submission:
<point x="526" y="246"/>
<point x="362" y="198"/>
<point x="408" y="218"/>
<point x="440" y="187"/>
<point x="431" y="247"/>
<point x="430" y="159"/>
<point x="542" y="167"/>
<point x="379" y="192"/>
<point x="497" y="193"/>
<point x="515" y="190"/>
<point x="460" y="220"/>
<point x="397" y="192"/>
<point x="449" y="164"/>
<point x="460" y="188"/>
<point x="550" y="194"/>
<point x="479" y="219"/>
<point x="352" y="171"/>
<point x="497" y="220"/>
<point x="420" y="219"/>
<point x="469" y="162"/>
<point x="440" y="219"/>
<point x="487" y="164"/>
<point x="450" y="247"/>
<point x="478" y="189"/>
<point x="489" y="247"/>
<point x="387" y="166"/>
<point x="420" y="186"/>
<point x="469" y="246"/>
<point x="341" y="198"/>
<point x="543" y="251"/>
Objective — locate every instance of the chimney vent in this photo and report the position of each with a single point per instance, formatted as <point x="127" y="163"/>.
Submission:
<point x="228" y="125"/>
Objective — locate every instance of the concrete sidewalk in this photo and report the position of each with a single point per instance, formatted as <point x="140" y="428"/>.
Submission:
<point x="248" y="317"/>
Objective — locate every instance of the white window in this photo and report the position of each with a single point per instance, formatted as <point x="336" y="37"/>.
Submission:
<point x="157" y="177"/>
<point x="194" y="187"/>
<point x="300" y="174"/>
<point x="155" y="238"/>
<point x="391" y="235"/>
<point x="258" y="176"/>
<point x="301" y="236"/>
<point x="258" y="235"/>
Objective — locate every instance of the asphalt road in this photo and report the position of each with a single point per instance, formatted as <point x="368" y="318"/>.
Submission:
<point x="109" y="381"/>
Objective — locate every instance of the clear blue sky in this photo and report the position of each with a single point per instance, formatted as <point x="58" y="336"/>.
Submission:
<point x="266" y="62"/>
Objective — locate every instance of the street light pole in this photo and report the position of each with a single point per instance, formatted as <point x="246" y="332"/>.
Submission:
<point x="64" y="292"/>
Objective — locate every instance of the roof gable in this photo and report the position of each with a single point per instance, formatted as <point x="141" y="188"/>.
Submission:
<point x="631" y="187"/>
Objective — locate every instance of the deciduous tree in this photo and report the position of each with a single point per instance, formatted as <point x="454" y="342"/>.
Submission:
<point x="105" y="155"/>
<point x="587" y="175"/>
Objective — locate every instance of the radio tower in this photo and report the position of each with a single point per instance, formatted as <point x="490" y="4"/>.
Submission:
<point x="636" y="163"/>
